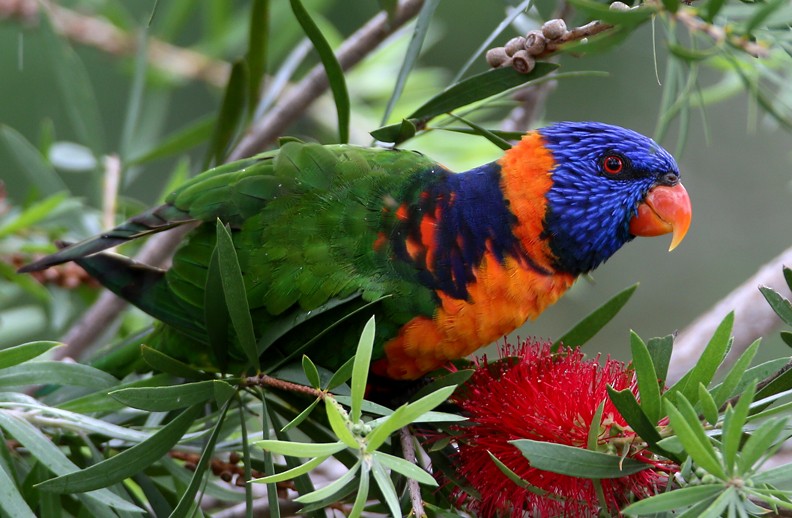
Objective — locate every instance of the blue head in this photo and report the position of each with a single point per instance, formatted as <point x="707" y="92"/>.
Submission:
<point x="603" y="174"/>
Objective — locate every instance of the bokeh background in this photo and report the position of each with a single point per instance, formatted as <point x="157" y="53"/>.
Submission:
<point x="735" y="161"/>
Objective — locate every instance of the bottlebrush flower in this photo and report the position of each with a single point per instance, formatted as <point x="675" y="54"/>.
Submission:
<point x="545" y="397"/>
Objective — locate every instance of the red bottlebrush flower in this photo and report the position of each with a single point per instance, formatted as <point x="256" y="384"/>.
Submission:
<point x="545" y="397"/>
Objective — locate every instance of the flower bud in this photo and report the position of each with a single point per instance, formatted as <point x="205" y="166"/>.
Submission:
<point x="497" y="57"/>
<point x="523" y="62"/>
<point x="535" y="43"/>
<point x="554" y="29"/>
<point x="514" y="44"/>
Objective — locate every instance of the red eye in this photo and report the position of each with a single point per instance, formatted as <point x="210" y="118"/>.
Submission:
<point x="613" y="164"/>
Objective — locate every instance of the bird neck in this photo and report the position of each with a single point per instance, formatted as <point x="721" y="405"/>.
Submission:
<point x="526" y="178"/>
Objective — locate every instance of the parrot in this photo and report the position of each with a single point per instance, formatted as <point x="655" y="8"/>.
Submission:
<point x="447" y="262"/>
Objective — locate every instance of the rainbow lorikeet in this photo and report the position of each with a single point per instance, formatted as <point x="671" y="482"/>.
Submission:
<point x="455" y="260"/>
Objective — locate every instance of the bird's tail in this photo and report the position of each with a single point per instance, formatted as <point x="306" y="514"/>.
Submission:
<point x="149" y="222"/>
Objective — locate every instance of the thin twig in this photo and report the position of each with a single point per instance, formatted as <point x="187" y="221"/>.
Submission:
<point x="262" y="380"/>
<point x="95" y="32"/>
<point x="297" y="99"/>
<point x="408" y="449"/>
<point x="753" y="318"/>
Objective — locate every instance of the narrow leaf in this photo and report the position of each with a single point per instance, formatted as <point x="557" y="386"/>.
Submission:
<point x="576" y="462"/>
<point x="335" y="74"/>
<point x="236" y="298"/>
<point x="360" y="368"/>
<point x="405" y="467"/>
<point x="761" y="443"/>
<point x="56" y="373"/>
<point x="22" y="353"/>
<point x="733" y="425"/>
<point x="362" y="493"/>
<point x="387" y="489"/>
<point x="707" y="364"/>
<point x="161" y="362"/>
<point x="781" y="306"/>
<point x="11" y="501"/>
<point x="331" y="488"/>
<point x="648" y="385"/>
<point x="215" y="311"/>
<point x="177" y="142"/>
<point x="673" y="500"/>
<point x="584" y="330"/>
<point x="338" y="424"/>
<point x="232" y="110"/>
<point x="693" y="438"/>
<point x="164" y="399"/>
<point x="707" y="404"/>
<point x="29" y="163"/>
<point x="300" y="449"/>
<point x="660" y="351"/>
<point x="126" y="463"/>
<point x="342" y="375"/>
<point x="478" y="87"/>
<point x="291" y="473"/>
<point x="726" y="388"/>
<point x="258" y="43"/>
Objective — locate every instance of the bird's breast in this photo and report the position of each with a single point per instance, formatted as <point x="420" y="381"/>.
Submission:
<point x="503" y="295"/>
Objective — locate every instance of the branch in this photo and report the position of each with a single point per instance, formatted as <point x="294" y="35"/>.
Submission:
<point x="753" y="318"/>
<point x="103" y="35"/>
<point x="297" y="99"/>
<point x="408" y="448"/>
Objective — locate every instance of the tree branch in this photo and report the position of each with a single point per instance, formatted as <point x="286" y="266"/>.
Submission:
<point x="753" y="318"/>
<point x="298" y="98"/>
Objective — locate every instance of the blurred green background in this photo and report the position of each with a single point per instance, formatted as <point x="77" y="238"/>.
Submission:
<point x="735" y="162"/>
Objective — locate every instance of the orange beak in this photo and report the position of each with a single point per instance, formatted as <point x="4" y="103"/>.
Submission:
<point x="665" y="210"/>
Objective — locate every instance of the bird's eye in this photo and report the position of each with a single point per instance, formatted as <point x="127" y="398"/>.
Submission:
<point x="613" y="164"/>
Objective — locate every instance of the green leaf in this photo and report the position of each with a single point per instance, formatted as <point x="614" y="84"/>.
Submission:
<point x="707" y="364"/>
<point x="422" y="23"/>
<point x="781" y="383"/>
<point x="594" y="427"/>
<point x="126" y="463"/>
<point x="387" y="488"/>
<point x="360" y="368"/>
<point x="338" y="423"/>
<point x="733" y="425"/>
<point x="258" y="44"/>
<point x="56" y="373"/>
<point x="177" y="142"/>
<point x="726" y="388"/>
<point x="761" y="14"/>
<point x="161" y="362"/>
<point x="692" y="435"/>
<point x="405" y="415"/>
<point x="215" y="311"/>
<point x="692" y="55"/>
<point x="291" y="473"/>
<point x="362" y="493"/>
<point x="22" y="353"/>
<point x="584" y="330"/>
<point x="576" y="462"/>
<point x="761" y="443"/>
<point x="786" y="336"/>
<point x="231" y="113"/>
<point x="300" y="449"/>
<point x="452" y="379"/>
<point x="405" y="467"/>
<point x="648" y="385"/>
<point x="707" y="404"/>
<point x="478" y="87"/>
<point x="187" y="499"/>
<point x="302" y="416"/>
<point x="631" y="411"/>
<point x="342" y="375"/>
<point x="74" y="85"/>
<point x="52" y="458"/>
<point x="484" y="132"/>
<point x="11" y="501"/>
<point x="671" y="500"/>
<point x="711" y="9"/>
<point x="671" y="5"/>
<point x="781" y="306"/>
<point x="660" y="351"/>
<point x="774" y="476"/>
<point x="335" y="74"/>
<point x="30" y="163"/>
<point x="33" y="214"/>
<point x="311" y="372"/>
<point x="164" y="399"/>
<point x="235" y="296"/>
<point x="788" y="276"/>
<point x="396" y="133"/>
<point x="331" y="488"/>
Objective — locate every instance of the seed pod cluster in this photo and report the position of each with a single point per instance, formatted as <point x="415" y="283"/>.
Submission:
<point x="521" y="52"/>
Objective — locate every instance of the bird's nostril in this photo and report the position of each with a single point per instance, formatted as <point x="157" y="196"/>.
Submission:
<point x="670" y="179"/>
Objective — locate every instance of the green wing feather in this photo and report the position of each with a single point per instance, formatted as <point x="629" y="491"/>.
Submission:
<point x="304" y="220"/>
